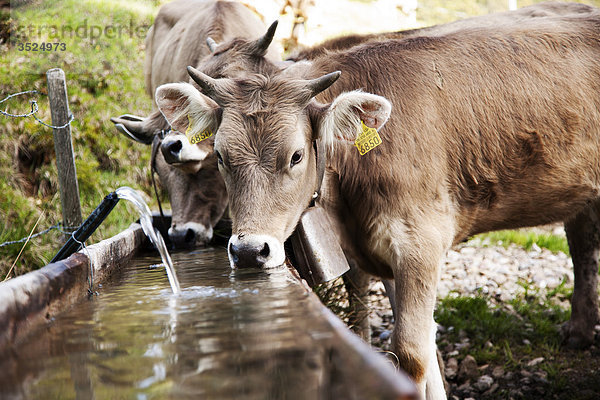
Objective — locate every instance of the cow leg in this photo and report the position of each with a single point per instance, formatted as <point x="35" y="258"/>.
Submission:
<point x="416" y="276"/>
<point x="436" y="382"/>
<point x="391" y="293"/>
<point x="583" y="235"/>
<point x="356" y="283"/>
<point x="413" y="338"/>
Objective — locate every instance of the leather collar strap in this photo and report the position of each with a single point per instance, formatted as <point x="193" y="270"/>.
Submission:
<point x="320" y="161"/>
<point x="155" y="146"/>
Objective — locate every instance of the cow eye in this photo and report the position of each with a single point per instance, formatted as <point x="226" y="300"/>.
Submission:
<point x="219" y="158"/>
<point x="296" y="158"/>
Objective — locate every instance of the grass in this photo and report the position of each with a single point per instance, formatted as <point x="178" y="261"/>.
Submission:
<point x="528" y="323"/>
<point x="510" y="334"/>
<point x="333" y="294"/>
<point x="525" y="239"/>
<point x="531" y="315"/>
<point x="104" y="79"/>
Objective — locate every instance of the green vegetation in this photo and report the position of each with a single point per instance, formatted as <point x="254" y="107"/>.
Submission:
<point x="509" y="334"/>
<point x="527" y="324"/>
<point x="514" y="334"/>
<point x="104" y="78"/>
<point x="525" y="239"/>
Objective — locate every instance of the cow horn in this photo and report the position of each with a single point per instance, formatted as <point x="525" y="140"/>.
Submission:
<point x="317" y="85"/>
<point x="205" y="82"/>
<point x="260" y="46"/>
<point x="208" y="85"/>
<point x="212" y="45"/>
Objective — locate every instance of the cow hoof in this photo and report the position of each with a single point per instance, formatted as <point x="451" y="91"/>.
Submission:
<point x="575" y="338"/>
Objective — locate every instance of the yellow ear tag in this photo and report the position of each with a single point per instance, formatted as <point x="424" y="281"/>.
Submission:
<point x="196" y="137"/>
<point x="367" y="140"/>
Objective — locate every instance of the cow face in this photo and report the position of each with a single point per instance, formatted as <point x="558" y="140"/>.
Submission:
<point x="198" y="199"/>
<point x="265" y="148"/>
<point x="189" y="174"/>
<point x="178" y="152"/>
<point x="196" y="192"/>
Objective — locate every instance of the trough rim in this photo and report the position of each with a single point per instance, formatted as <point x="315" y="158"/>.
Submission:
<point x="29" y="301"/>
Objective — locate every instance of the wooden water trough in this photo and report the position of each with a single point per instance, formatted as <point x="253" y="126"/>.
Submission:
<point x="31" y="301"/>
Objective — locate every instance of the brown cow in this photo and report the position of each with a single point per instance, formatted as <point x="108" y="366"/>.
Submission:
<point x="188" y="172"/>
<point x="176" y="40"/>
<point x="492" y="128"/>
<point x="358" y="284"/>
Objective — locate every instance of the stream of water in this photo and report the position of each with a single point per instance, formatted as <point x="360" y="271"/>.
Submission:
<point x="153" y="234"/>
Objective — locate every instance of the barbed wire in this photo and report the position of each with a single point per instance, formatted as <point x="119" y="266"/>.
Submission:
<point x="66" y="230"/>
<point x="34" y="109"/>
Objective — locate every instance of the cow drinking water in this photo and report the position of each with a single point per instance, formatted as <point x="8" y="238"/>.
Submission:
<point x="476" y="130"/>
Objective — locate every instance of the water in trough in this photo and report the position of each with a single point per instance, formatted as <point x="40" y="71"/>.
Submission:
<point x="221" y="334"/>
<point x="227" y="335"/>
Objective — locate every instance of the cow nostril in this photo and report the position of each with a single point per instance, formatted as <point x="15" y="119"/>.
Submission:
<point x="175" y="147"/>
<point x="190" y="236"/>
<point x="233" y="249"/>
<point x="265" y="250"/>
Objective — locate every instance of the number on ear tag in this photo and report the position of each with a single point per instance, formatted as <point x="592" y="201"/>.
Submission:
<point x="198" y="136"/>
<point x="367" y="140"/>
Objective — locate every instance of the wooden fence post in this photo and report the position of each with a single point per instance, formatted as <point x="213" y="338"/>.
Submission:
<point x="63" y="146"/>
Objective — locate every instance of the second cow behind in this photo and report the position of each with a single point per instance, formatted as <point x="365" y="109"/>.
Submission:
<point x="189" y="173"/>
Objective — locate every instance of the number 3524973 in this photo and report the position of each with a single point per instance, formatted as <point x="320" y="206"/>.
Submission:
<point x="41" y="46"/>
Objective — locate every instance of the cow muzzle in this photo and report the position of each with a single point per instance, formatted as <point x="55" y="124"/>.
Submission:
<point x="190" y="234"/>
<point x="177" y="150"/>
<point x="255" y="251"/>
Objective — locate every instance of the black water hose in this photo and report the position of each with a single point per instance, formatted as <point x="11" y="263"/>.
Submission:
<point x="88" y="227"/>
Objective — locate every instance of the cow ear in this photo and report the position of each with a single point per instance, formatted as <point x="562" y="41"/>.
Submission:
<point x="342" y="120"/>
<point x="134" y="127"/>
<point x="186" y="109"/>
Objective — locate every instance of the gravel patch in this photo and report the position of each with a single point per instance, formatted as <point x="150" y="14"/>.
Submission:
<point x="477" y="267"/>
<point x="502" y="272"/>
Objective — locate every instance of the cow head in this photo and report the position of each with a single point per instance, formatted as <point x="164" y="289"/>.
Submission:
<point x="196" y="190"/>
<point x="266" y="129"/>
<point x="189" y="174"/>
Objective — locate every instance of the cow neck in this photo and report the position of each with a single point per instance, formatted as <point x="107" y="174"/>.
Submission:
<point x="155" y="146"/>
<point x="320" y="159"/>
